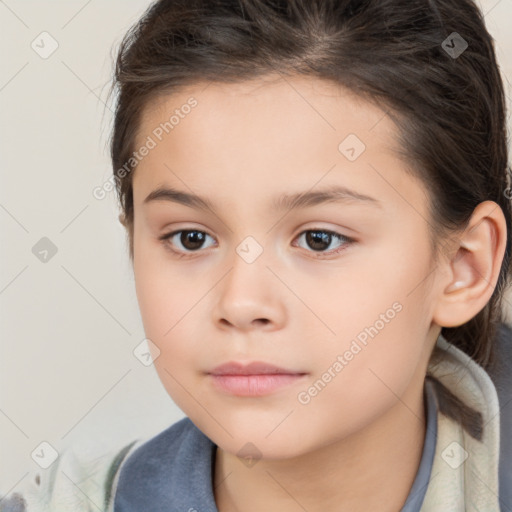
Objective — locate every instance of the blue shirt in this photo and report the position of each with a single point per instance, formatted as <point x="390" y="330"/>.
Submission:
<point x="173" y="471"/>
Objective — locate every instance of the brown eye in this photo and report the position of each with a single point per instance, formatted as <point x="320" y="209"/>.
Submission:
<point x="320" y="239"/>
<point x="192" y="240"/>
<point x="185" y="240"/>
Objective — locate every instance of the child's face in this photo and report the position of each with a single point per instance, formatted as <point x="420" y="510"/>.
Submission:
<point x="259" y="287"/>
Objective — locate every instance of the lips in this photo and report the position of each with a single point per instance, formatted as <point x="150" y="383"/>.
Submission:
<point x="255" y="379"/>
<point x="253" y="368"/>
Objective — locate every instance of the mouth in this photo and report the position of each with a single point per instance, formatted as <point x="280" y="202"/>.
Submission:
<point x="254" y="379"/>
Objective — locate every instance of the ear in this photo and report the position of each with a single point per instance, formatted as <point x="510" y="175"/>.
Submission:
<point x="472" y="267"/>
<point x="122" y="219"/>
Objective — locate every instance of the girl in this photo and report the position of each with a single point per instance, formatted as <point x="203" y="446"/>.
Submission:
<point x="317" y="208"/>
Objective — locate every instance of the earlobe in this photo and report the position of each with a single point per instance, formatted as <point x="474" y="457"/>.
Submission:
<point x="473" y="268"/>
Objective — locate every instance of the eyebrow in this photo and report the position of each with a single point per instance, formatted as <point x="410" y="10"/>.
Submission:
<point x="294" y="201"/>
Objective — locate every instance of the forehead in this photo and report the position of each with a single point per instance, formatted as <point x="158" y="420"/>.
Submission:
<point x="276" y="103"/>
<point x="275" y="134"/>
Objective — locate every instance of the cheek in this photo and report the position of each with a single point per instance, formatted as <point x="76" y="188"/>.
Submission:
<point x="171" y="308"/>
<point x="166" y="309"/>
<point x="158" y="287"/>
<point x="166" y="314"/>
<point x="361" y="376"/>
<point x="367" y="288"/>
<point x="381" y="322"/>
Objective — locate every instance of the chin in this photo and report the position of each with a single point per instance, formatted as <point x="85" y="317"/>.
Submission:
<point x="254" y="442"/>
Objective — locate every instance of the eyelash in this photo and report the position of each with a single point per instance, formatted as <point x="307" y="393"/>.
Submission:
<point x="165" y="239"/>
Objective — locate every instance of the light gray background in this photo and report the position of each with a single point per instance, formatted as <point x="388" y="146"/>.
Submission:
<point x="69" y="326"/>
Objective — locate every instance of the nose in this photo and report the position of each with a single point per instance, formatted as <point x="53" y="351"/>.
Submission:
<point x="250" y="297"/>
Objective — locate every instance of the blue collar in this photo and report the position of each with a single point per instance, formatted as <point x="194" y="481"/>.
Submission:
<point x="420" y="484"/>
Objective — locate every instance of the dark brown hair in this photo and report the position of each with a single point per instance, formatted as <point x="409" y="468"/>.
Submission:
<point x="450" y="108"/>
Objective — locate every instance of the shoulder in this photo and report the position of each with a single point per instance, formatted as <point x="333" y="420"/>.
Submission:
<point x="73" y="482"/>
<point x="501" y="374"/>
<point x="178" y="441"/>
<point x="172" y="467"/>
<point x="81" y="483"/>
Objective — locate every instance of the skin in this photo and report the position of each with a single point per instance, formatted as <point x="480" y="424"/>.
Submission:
<point x="357" y="444"/>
